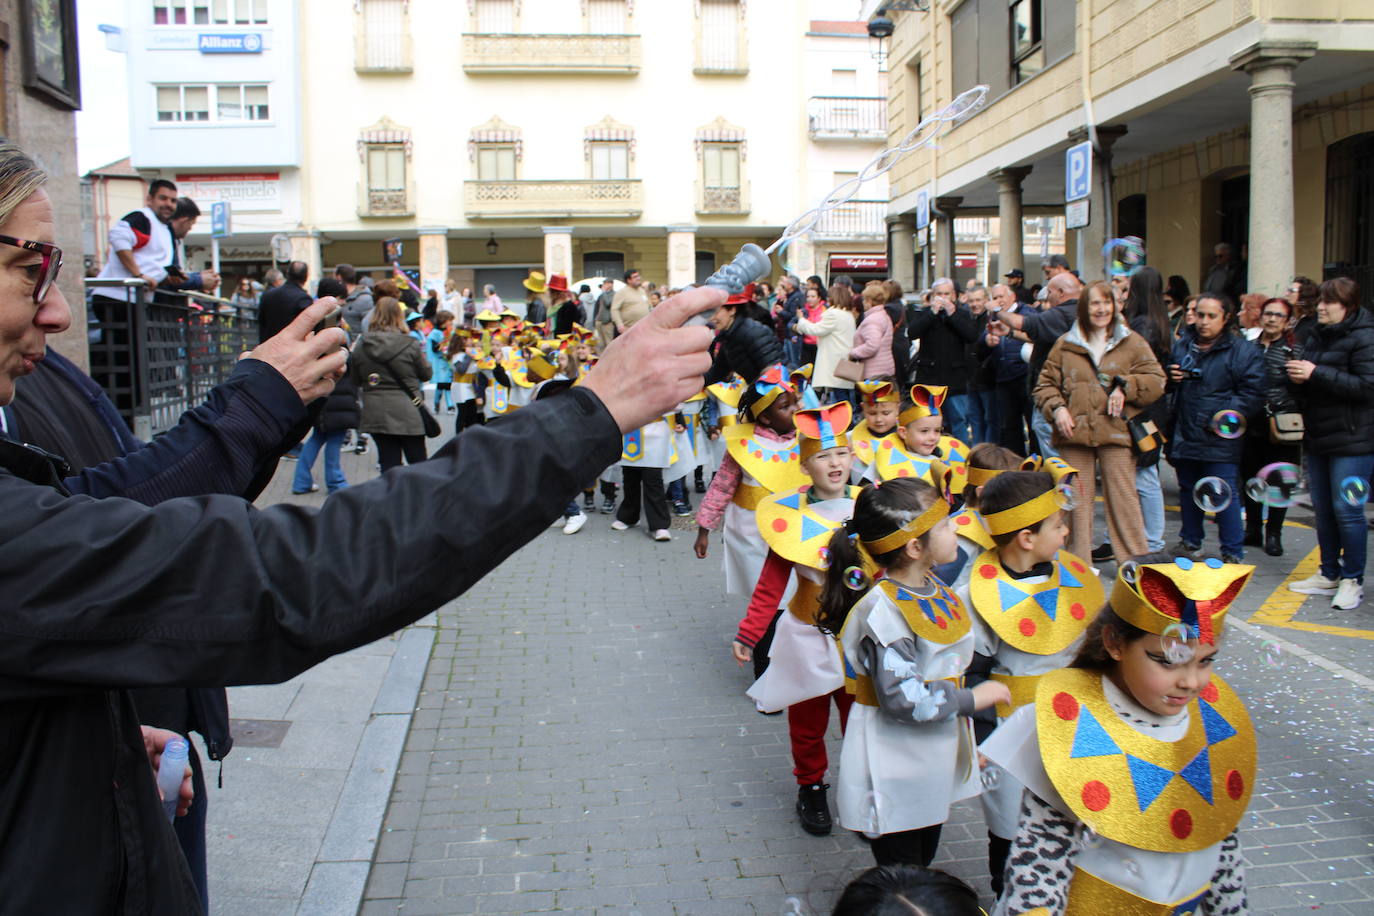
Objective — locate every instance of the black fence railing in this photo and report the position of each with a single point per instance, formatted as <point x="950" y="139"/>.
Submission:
<point x="157" y="357"/>
<point x="847" y="117"/>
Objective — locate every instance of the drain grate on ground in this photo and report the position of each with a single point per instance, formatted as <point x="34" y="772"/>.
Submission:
<point x="258" y="732"/>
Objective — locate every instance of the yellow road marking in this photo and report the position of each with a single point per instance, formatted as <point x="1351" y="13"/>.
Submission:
<point x="1279" y="609"/>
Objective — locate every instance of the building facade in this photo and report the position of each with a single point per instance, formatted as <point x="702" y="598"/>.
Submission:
<point x="493" y="137"/>
<point x="1240" y="121"/>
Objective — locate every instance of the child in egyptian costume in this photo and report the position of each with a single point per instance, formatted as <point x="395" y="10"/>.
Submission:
<point x="804" y="672"/>
<point x="919" y="441"/>
<point x="985" y="461"/>
<point x="908" y="749"/>
<point x="762" y="458"/>
<point x="1032" y="602"/>
<point x="1138" y="762"/>
<point x="720" y="412"/>
<point x="881" y="402"/>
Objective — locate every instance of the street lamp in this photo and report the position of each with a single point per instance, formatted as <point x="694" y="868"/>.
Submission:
<point x="491" y="245"/>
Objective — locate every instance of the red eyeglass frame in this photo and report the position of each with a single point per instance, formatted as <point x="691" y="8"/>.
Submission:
<point x="52" y="263"/>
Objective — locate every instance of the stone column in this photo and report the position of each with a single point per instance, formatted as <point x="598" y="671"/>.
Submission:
<point x="901" y="235"/>
<point x="1101" y="206"/>
<point x="682" y="256"/>
<point x="433" y="260"/>
<point x="558" y="251"/>
<point x="943" y="213"/>
<point x="1270" y="65"/>
<point x="1010" y="243"/>
<point x="305" y="246"/>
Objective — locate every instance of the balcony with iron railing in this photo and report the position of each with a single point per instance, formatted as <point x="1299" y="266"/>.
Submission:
<point x="494" y="53"/>
<point x="731" y="200"/>
<point x="607" y="198"/>
<point x="856" y="220"/>
<point x="843" y="117"/>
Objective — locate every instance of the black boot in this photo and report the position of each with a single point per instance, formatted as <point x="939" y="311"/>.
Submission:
<point x="700" y="483"/>
<point x="1272" y="545"/>
<point x="814" y="810"/>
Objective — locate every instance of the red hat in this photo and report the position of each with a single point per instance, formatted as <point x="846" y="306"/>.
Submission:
<point x="741" y="298"/>
<point x="558" y="283"/>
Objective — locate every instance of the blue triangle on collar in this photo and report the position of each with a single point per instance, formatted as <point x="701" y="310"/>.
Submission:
<point x="1150" y="780"/>
<point x="1067" y="579"/>
<point x="1009" y="595"/>
<point x="1198" y="774"/>
<point x="812" y="528"/>
<point x="1216" y="727"/>
<point x="924" y="605"/>
<point x="1048" y="601"/>
<point x="792" y="501"/>
<point x="1090" y="739"/>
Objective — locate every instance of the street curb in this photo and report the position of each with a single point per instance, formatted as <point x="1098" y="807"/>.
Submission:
<point x="339" y="876"/>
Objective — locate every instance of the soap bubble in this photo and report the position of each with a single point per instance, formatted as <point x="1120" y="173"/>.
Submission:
<point x="1256" y="489"/>
<point x="1280" y="481"/>
<point x="1355" y="491"/>
<point x="872" y="805"/>
<point x="991" y="776"/>
<point x="1065" y="496"/>
<point x="854" y="578"/>
<point x="1129" y="572"/>
<point x="1212" y="494"/>
<point x="1272" y="653"/>
<point x="1228" y="424"/>
<point x="1125" y="255"/>
<point x="1174" y="641"/>
<point x="792" y="907"/>
<point x="824" y="555"/>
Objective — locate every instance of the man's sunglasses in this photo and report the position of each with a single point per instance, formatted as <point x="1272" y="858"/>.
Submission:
<point x="47" y="268"/>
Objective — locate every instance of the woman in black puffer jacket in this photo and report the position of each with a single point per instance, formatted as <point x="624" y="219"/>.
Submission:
<point x="1335" y="386"/>
<point x="742" y="344"/>
<point x="340" y="414"/>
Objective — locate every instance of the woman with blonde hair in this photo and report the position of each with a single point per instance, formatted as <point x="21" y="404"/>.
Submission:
<point x="873" y="338"/>
<point x="834" y="333"/>
<point x="388" y="367"/>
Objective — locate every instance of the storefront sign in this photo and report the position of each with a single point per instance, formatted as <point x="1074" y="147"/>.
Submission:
<point x="231" y="43"/>
<point x="966" y="261"/>
<point x="248" y="192"/>
<point x="861" y="263"/>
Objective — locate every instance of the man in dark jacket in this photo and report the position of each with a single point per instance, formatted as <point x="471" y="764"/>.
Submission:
<point x="792" y="300"/>
<point x="280" y="306"/>
<point x="106" y="594"/>
<point x="1042" y="329"/>
<point x="1008" y="373"/>
<point x="945" y="331"/>
<point x="357" y="299"/>
<point x="742" y="345"/>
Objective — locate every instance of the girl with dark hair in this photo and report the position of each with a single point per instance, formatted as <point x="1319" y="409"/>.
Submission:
<point x="907" y="890"/>
<point x="1138" y="763"/>
<point x="1335" y="385"/>
<point x="1031" y="601"/>
<point x="986" y="460"/>
<point x="1264" y="524"/>
<point x="908" y="751"/>
<point x="1147" y="315"/>
<point x="1302" y="294"/>
<point x="761" y="458"/>
<point x="1176" y="295"/>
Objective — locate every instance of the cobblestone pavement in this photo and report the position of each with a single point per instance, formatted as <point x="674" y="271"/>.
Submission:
<point x="583" y="745"/>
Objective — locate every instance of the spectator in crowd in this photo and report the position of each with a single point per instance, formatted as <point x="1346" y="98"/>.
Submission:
<point x="743" y="345"/>
<point x="178" y="278"/>
<point x="491" y="301"/>
<point x="790" y="301"/>
<point x="604" y="322"/>
<point x="1175" y="299"/>
<point x="141" y="243"/>
<point x="272" y="279"/>
<point x="873" y="338"/>
<point x="245" y="295"/>
<point x="452" y="298"/>
<point x="811" y="312"/>
<point x="1016" y="282"/>
<point x="1014" y="403"/>
<point x="85" y="580"/>
<point x="1303" y="295"/>
<point x="1335" y="386"/>
<point x="587" y="299"/>
<point x="1089" y="416"/>
<point x="1043" y="329"/>
<point x="945" y="331"/>
<point x="1211" y="370"/>
<point x="387" y="362"/>
<point x="1145" y="314"/>
<point x="983" y="419"/>
<point x="1264" y="524"/>
<point x="565" y="309"/>
<point x="1227" y="274"/>
<point x="431" y="306"/>
<point x="834" y="334"/>
<point x="280" y="305"/>
<point x="630" y="304"/>
<point x="901" y="346"/>
<point x="764" y="295"/>
<point x="338" y="414"/>
<point x="535" y="288"/>
<point x="844" y="280"/>
<point x="1249" y="316"/>
<point x="357" y="302"/>
<point x="1053" y="266"/>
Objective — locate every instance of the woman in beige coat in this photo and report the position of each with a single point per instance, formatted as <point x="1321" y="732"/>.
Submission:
<point x="1097" y="375"/>
<point x="834" y="334"/>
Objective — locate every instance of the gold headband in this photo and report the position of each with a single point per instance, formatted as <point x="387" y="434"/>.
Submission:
<point x="978" y="476"/>
<point x="912" y="529"/>
<point x="1024" y="515"/>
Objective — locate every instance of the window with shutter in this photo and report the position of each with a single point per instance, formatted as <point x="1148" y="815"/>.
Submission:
<point x="496" y="162"/>
<point x="610" y="161"/>
<point x="496" y="16"/>
<point x="386" y="178"/>
<point x="720" y="26"/>
<point x="384" y="32"/>
<point x="607" y="17"/>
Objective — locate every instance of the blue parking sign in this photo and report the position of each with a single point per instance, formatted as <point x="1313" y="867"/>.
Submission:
<point x="219" y="220"/>
<point x="1078" y="171"/>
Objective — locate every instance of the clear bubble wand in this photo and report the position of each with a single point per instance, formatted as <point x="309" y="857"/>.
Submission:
<point x="754" y="263"/>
